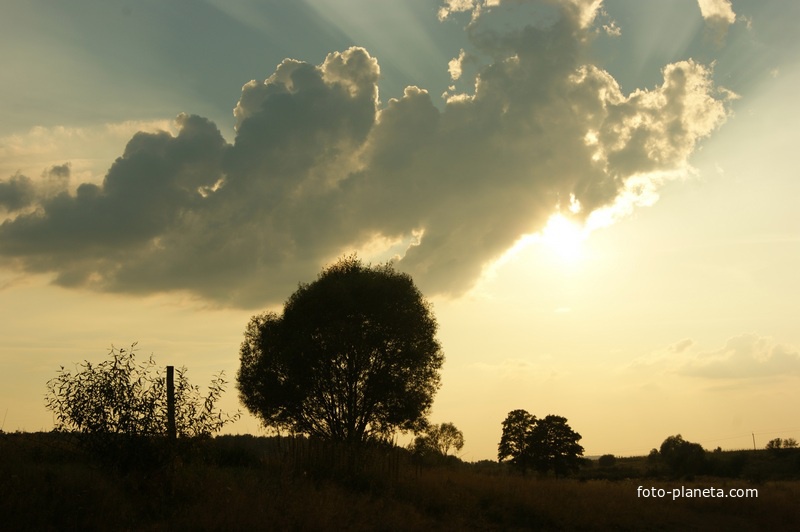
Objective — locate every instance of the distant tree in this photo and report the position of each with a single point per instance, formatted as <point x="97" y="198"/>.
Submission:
<point x="653" y="456"/>
<point x="772" y="445"/>
<point x="445" y="437"/>
<point x="437" y="440"/>
<point x="120" y="401"/>
<point x="547" y="444"/>
<point x="352" y="358"/>
<point x="607" y="460"/>
<point x="778" y="444"/>
<point x="683" y="457"/>
<point x="514" y="440"/>
<point x="554" y="446"/>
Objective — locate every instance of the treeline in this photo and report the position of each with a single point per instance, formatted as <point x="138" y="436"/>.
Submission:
<point x="692" y="461"/>
<point x="383" y="464"/>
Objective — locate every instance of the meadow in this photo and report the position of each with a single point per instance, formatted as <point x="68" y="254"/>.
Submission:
<point x="244" y="483"/>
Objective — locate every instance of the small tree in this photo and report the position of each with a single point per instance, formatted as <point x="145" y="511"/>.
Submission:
<point x="437" y="440"/>
<point x="447" y="436"/>
<point x="353" y="358"/>
<point x="118" y="401"/>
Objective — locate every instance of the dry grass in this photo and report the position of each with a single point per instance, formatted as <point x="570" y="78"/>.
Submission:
<point x="44" y="486"/>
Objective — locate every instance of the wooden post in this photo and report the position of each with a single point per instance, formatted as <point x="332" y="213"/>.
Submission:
<point x="171" y="432"/>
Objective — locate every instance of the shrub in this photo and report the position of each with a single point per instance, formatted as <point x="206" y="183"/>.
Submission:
<point x="119" y="406"/>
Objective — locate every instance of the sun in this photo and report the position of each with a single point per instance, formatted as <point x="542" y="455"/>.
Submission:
<point x="564" y="237"/>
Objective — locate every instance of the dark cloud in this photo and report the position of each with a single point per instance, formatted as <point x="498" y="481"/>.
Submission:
<point x="16" y="193"/>
<point x="319" y="167"/>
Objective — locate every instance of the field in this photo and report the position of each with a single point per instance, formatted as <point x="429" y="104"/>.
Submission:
<point x="246" y="483"/>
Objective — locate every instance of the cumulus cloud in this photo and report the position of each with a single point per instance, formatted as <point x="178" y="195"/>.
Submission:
<point x="320" y="166"/>
<point x="720" y="9"/>
<point x="718" y="15"/>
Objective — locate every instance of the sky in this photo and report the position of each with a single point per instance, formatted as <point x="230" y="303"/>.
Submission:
<point x="597" y="197"/>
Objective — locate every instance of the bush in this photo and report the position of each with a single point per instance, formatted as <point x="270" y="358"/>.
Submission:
<point x="119" y="407"/>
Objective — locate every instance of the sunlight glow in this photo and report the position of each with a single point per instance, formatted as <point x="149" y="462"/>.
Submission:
<point x="564" y="237"/>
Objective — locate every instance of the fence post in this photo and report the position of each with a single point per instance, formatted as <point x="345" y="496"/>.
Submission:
<point x="171" y="432"/>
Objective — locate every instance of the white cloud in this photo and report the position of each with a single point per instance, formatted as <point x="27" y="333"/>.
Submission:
<point x="583" y="11"/>
<point x="717" y="9"/>
<point x="718" y="15"/>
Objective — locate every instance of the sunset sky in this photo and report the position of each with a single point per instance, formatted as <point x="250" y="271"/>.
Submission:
<point x="599" y="198"/>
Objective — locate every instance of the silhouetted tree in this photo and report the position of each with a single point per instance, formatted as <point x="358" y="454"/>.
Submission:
<point x="683" y="457"/>
<point x="544" y="444"/>
<point x="352" y="358"/>
<point x="514" y="441"/>
<point x="775" y="444"/>
<point x="437" y="440"/>
<point x="553" y="445"/>
<point x="653" y="456"/>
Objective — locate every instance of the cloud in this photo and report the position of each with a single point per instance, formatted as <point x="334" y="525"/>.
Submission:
<point x="720" y="9"/>
<point x="520" y="368"/>
<point x="320" y="166"/>
<point x="16" y="193"/>
<point x="743" y="357"/>
<point x="718" y="15"/>
<point x="747" y="356"/>
<point x="90" y="149"/>
<point x="681" y="346"/>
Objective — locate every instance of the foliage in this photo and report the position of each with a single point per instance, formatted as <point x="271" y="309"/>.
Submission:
<point x="120" y="400"/>
<point x="437" y="440"/>
<point x="683" y="457"/>
<point x="547" y="444"/>
<point x="352" y="358"/>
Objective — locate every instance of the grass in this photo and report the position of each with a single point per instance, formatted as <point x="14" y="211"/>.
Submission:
<point x="241" y="483"/>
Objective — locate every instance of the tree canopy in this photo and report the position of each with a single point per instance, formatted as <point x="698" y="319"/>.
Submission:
<point x="683" y="457"/>
<point x="438" y="440"/>
<point x="544" y="444"/>
<point x="353" y="357"/>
